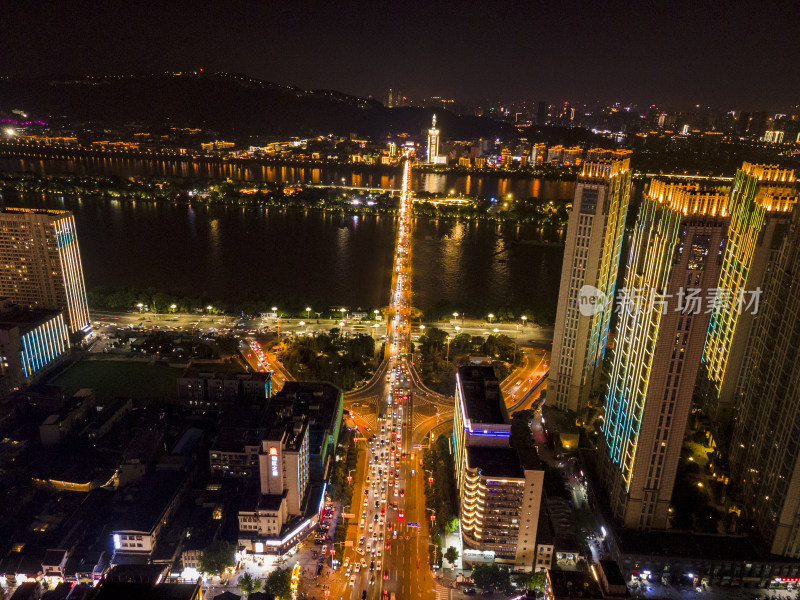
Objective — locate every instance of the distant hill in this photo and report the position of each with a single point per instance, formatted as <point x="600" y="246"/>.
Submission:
<point x="233" y="104"/>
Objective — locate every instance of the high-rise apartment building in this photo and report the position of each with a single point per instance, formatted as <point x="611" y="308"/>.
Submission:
<point x="760" y="207"/>
<point x="671" y="276"/>
<point x="499" y="487"/>
<point x="40" y="263"/>
<point x="765" y="449"/>
<point x="591" y="262"/>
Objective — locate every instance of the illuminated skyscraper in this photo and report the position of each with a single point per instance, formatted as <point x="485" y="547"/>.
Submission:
<point x="759" y="206"/>
<point x="673" y="266"/>
<point x="433" y="142"/>
<point x="40" y="263"/>
<point x="591" y="258"/>
<point x="765" y="450"/>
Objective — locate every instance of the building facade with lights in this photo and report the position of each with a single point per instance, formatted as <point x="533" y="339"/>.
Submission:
<point x="31" y="343"/>
<point x="591" y="258"/>
<point x="499" y="488"/>
<point x="760" y="208"/>
<point x="765" y="446"/>
<point x="40" y="263"/>
<point x="673" y="267"/>
<point x="433" y="145"/>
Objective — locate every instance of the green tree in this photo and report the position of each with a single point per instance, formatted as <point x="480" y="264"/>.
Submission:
<point x="248" y="585"/>
<point x="217" y="557"/>
<point x="279" y="583"/>
<point x="451" y="555"/>
<point x="491" y="577"/>
<point x="530" y="581"/>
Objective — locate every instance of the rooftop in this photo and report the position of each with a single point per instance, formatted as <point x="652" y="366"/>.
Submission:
<point x="139" y="506"/>
<point x="495" y="462"/>
<point x="480" y="390"/>
<point x="573" y="584"/>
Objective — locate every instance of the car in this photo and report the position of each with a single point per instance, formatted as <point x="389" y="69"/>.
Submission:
<point x="324" y="549"/>
<point x="470" y="590"/>
<point x="346" y="563"/>
<point x="352" y="580"/>
<point x="386" y="574"/>
<point x="363" y="564"/>
<point x="357" y="567"/>
<point x="402" y="493"/>
<point x="372" y="565"/>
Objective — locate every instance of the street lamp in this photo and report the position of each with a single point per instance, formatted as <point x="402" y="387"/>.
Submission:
<point x="496" y="330"/>
<point x="455" y="315"/>
<point x="140" y="305"/>
<point x="209" y="308"/>
<point x="457" y="329"/>
<point x="524" y="318"/>
<point x="421" y="329"/>
<point x="302" y="324"/>
<point x="377" y="312"/>
<point x="308" y="312"/>
<point x="342" y="310"/>
<point x="173" y="307"/>
<point x="491" y="316"/>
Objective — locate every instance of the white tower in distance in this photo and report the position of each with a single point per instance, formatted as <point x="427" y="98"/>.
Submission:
<point x="433" y="142"/>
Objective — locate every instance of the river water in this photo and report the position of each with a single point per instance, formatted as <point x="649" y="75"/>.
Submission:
<point x="294" y="258"/>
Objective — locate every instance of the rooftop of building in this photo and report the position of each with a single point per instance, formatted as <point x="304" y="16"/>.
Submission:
<point x="613" y="575"/>
<point x="573" y="584"/>
<point x="139" y="506"/>
<point x="222" y="372"/>
<point x="483" y="401"/>
<point x="253" y="501"/>
<point x="688" y="545"/>
<point x="35" y="211"/>
<point x="25" y="319"/>
<point x="495" y="462"/>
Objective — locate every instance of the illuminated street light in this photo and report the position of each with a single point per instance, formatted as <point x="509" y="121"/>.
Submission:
<point x="140" y="305"/>
<point x="457" y="329"/>
<point x="173" y="307"/>
<point x="491" y="316"/>
<point x="455" y="315"/>
<point x="524" y="318"/>
<point x="308" y="312"/>
<point x="496" y="330"/>
<point x="209" y="308"/>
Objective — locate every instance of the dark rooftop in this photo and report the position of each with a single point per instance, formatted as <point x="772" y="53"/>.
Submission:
<point x="25" y="318"/>
<point x="681" y="544"/>
<point x="495" y="462"/>
<point x="573" y="584"/>
<point x="482" y="398"/>
<point x="139" y="506"/>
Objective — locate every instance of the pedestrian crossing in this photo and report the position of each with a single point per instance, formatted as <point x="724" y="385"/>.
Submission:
<point x="442" y="593"/>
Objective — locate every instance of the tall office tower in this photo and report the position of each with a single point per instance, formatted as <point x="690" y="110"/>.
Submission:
<point x="40" y="263"/>
<point x="390" y="103"/>
<point x="541" y="113"/>
<point x="591" y="258"/>
<point x="765" y="449"/>
<point x="760" y="207"/>
<point x="673" y="266"/>
<point x="499" y="487"/>
<point x="433" y="142"/>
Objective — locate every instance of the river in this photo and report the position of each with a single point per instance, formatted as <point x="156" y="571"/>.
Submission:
<point x="294" y="258"/>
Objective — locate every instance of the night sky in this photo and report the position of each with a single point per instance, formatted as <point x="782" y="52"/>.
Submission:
<point x="728" y="55"/>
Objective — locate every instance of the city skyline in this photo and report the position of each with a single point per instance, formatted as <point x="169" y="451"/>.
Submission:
<point x="607" y="53"/>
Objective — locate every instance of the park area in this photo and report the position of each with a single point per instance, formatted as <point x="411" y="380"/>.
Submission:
<point x="142" y="381"/>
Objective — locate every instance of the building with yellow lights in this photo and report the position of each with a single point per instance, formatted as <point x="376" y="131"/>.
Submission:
<point x="673" y="268"/>
<point x="499" y="487"/>
<point x="40" y="263"/>
<point x="760" y="208"/>
<point x="591" y="258"/>
<point x="765" y="445"/>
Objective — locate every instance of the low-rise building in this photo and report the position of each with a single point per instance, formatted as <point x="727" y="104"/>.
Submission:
<point x="499" y="488"/>
<point x="213" y="390"/>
